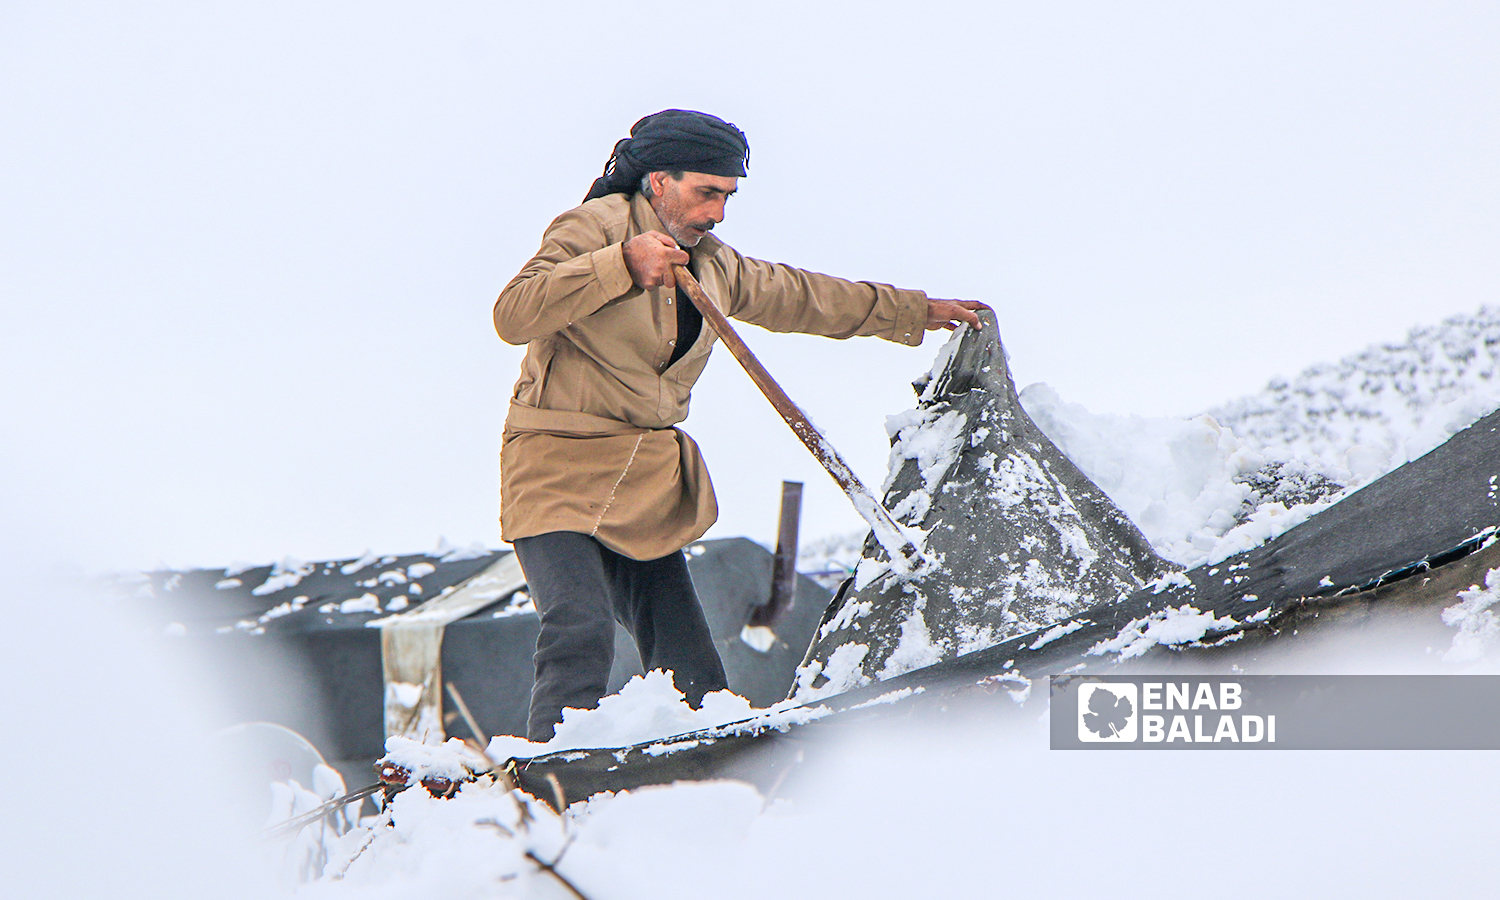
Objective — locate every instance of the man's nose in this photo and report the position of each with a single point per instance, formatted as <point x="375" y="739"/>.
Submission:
<point x="716" y="212"/>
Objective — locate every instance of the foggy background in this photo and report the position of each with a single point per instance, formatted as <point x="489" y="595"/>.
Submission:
<point x="248" y="250"/>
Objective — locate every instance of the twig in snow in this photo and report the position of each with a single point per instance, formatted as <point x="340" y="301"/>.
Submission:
<point x="497" y="770"/>
<point x="463" y="710"/>
<point x="292" y="826"/>
<point x="550" y="869"/>
<point x="557" y="792"/>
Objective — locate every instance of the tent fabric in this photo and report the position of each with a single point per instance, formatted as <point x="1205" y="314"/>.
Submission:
<point x="1025" y="538"/>
<point x="304" y="664"/>
<point x="1400" y="548"/>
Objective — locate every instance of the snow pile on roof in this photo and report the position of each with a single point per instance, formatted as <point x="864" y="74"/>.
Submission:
<point x="1168" y="627"/>
<point x="1204" y="488"/>
<point x="451" y="760"/>
<point x="649" y="708"/>
<point x="1383" y="406"/>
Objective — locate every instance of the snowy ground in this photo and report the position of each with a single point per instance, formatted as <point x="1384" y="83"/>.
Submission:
<point x="112" y="794"/>
<point x="974" y="813"/>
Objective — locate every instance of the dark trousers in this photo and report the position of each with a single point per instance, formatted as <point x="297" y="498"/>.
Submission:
<point x="581" y="588"/>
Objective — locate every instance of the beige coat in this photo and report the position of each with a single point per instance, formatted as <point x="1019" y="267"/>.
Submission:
<point x="590" y="444"/>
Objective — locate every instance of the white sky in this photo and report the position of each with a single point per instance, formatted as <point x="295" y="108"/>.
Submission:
<point x="248" y="250"/>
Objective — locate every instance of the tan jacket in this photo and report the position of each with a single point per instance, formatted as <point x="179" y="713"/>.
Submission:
<point x="590" y="444"/>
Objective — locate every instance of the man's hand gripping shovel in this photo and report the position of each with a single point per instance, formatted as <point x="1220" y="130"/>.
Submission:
<point x="904" y="549"/>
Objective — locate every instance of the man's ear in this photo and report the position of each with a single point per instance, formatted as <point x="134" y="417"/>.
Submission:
<point x="658" y="182"/>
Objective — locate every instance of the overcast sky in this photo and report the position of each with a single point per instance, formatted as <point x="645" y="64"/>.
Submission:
<point x="248" y="251"/>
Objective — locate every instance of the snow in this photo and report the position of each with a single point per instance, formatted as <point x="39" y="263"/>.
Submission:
<point x="1203" y="488"/>
<point x="889" y="697"/>
<point x="916" y="648"/>
<point x="898" y="540"/>
<point x="1168" y="627"/>
<point x="650" y="708"/>
<point x="367" y="603"/>
<point x="1206" y="487"/>
<point x="285" y="574"/>
<point x="869" y="569"/>
<point x="1169" y="581"/>
<point x="452" y="760"/>
<point x="519" y="604"/>
<point x="934" y="441"/>
<point x="1383" y="406"/>
<point x="368" y="559"/>
<point x="407" y="695"/>
<point x="758" y="637"/>
<point x="1478" y="627"/>
<point x="1057" y="631"/>
<point x="1182" y="481"/>
<point x="842" y="671"/>
<point x="887" y="810"/>
<point x="446" y="552"/>
<point x="851" y="610"/>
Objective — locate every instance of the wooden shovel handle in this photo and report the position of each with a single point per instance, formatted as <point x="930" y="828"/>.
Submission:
<point x="865" y="502"/>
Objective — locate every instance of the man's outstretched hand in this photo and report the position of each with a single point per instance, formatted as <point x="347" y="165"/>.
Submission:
<point x="650" y="258"/>
<point x="950" y="313"/>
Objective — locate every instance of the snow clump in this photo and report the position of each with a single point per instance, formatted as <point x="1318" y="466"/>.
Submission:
<point x="1477" y="624"/>
<point x="1169" y="627"/>
<point x="650" y="708"/>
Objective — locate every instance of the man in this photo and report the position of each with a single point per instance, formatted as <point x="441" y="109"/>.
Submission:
<point x="600" y="491"/>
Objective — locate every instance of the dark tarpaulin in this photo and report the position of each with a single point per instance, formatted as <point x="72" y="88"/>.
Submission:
<point x="319" y="672"/>
<point x="1398" y="549"/>
<point x="1025" y="538"/>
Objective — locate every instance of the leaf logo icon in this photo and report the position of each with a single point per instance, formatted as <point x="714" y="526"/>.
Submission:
<point x="1107" y="712"/>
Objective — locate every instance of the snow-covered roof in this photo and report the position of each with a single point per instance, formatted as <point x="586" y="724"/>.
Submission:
<point x="299" y="643"/>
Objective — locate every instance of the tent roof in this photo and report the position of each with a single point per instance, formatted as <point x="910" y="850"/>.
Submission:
<point x="1442" y="510"/>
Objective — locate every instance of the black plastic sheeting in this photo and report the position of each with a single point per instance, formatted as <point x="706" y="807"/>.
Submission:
<point x="1430" y="512"/>
<point x="318" y="671"/>
<point x="1025" y="537"/>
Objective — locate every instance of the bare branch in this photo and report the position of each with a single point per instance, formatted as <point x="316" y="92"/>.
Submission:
<point x="550" y="870"/>
<point x="292" y="826"/>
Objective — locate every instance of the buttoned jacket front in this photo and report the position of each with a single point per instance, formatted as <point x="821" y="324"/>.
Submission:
<point x="591" y="443"/>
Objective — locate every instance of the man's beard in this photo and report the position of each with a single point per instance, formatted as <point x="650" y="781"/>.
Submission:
<point x="683" y="234"/>
<point x="681" y="231"/>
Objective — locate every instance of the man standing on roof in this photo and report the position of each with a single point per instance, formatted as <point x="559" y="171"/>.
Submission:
<point x="599" y="489"/>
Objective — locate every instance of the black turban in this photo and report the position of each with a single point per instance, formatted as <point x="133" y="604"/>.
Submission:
<point x="673" y="140"/>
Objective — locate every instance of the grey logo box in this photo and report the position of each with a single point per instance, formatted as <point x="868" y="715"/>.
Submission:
<point x="1276" y="712"/>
